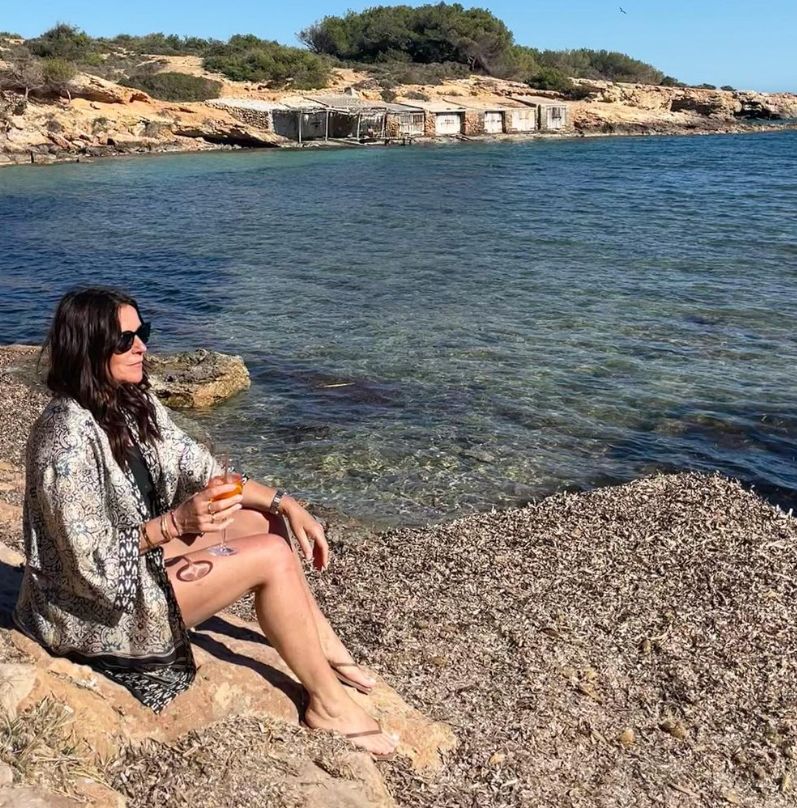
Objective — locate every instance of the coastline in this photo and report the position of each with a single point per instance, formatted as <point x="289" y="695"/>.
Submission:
<point x="103" y="119"/>
<point x="198" y="146"/>
<point x="642" y="629"/>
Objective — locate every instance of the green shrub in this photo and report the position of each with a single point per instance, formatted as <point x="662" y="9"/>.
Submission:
<point x="706" y="86"/>
<point x="474" y="37"/>
<point x="247" y="58"/>
<point x="174" y="86"/>
<point x="728" y="87"/>
<point x="549" y="78"/>
<point x="9" y="35"/>
<point x="669" y="81"/>
<point x="63" y="42"/>
<point x="394" y="73"/>
<point x="584" y="63"/>
<point x="164" y="44"/>
<point x="57" y="74"/>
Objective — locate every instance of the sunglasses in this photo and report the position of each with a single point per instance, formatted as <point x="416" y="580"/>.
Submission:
<point x="127" y="338"/>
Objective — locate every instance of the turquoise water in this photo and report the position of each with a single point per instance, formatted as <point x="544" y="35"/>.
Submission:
<point x="434" y="330"/>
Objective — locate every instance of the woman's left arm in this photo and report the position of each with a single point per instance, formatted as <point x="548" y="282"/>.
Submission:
<point x="198" y="467"/>
<point x="305" y="527"/>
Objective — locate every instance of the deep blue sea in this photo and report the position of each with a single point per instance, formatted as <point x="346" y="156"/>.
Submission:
<point x="436" y="330"/>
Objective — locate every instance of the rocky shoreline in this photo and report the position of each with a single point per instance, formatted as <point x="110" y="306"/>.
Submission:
<point x="103" y="119"/>
<point x="631" y="645"/>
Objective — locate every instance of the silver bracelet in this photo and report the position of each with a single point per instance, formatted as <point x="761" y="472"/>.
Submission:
<point x="275" y="502"/>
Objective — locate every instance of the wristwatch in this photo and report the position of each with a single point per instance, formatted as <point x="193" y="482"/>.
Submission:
<point x="275" y="503"/>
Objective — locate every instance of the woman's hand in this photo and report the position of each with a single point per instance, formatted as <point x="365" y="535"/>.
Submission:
<point x="307" y="530"/>
<point x="201" y="514"/>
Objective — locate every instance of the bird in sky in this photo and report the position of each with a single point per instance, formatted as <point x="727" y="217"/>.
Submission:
<point x="623" y="10"/>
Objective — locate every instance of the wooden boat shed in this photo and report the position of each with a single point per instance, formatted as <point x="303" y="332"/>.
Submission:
<point x="327" y="117"/>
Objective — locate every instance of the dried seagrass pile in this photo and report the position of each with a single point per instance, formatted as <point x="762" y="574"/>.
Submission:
<point x="635" y="645"/>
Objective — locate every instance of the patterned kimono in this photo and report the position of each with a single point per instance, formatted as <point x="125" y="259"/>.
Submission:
<point x="87" y="592"/>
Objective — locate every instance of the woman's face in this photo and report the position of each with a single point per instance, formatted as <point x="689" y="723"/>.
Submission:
<point x="128" y="367"/>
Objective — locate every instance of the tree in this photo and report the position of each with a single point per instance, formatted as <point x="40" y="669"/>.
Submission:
<point x="245" y="57"/>
<point x="23" y="73"/>
<point x="549" y="78"/>
<point x="426" y="34"/>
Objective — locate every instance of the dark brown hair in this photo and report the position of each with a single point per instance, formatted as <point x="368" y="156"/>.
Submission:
<point x="84" y="332"/>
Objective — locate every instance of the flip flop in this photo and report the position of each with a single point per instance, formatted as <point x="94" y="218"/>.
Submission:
<point x="374" y="755"/>
<point x="359" y="686"/>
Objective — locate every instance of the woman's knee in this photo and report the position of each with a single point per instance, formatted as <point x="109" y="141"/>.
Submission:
<point x="248" y="522"/>
<point x="271" y="553"/>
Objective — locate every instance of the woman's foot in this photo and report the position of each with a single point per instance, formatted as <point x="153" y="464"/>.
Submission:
<point x="343" y="664"/>
<point x="352" y="722"/>
<point x="353" y="675"/>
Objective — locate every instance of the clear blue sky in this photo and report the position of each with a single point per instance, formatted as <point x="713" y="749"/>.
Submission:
<point x="746" y="43"/>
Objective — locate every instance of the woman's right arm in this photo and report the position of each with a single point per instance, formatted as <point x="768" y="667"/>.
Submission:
<point x="94" y="551"/>
<point x="198" y="514"/>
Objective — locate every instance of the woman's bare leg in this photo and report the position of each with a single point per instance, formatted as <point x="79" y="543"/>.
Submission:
<point x="265" y="564"/>
<point x="248" y="522"/>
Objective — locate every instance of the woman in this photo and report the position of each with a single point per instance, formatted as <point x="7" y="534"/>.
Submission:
<point x="119" y="503"/>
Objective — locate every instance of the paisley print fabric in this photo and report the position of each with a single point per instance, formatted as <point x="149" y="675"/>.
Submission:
<point x="87" y="592"/>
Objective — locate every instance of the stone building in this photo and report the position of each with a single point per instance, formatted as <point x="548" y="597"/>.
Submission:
<point x="441" y="118"/>
<point x="551" y="112"/>
<point x="487" y="115"/>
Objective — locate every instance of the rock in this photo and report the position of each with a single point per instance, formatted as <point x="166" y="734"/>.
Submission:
<point x="627" y="738"/>
<point x="93" y="88"/>
<point x="675" y="728"/>
<point x="31" y="797"/>
<point x="239" y="674"/>
<point x="197" y="379"/>
<point x="16" y="682"/>
<point x="230" y="132"/>
<point x="6" y="775"/>
<point x="100" y="795"/>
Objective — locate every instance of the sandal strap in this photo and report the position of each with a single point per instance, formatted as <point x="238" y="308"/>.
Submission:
<point x="363" y="734"/>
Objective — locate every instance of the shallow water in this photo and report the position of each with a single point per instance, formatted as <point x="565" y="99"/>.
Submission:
<point x="434" y="330"/>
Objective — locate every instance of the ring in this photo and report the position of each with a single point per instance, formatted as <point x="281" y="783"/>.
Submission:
<point x="213" y="517"/>
<point x="209" y="511"/>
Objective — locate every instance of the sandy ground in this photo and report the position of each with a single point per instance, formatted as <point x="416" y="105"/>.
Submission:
<point x="635" y="645"/>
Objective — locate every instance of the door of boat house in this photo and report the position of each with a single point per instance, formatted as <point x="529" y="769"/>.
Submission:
<point x="448" y="123"/>
<point x="493" y="122"/>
